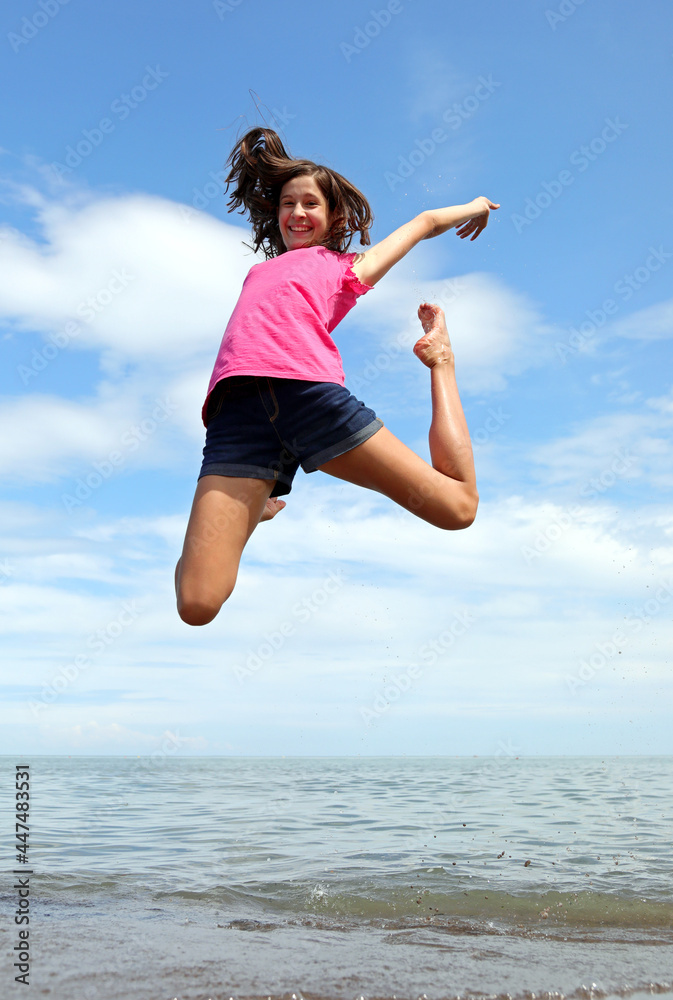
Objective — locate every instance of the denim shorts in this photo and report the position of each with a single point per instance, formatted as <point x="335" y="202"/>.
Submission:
<point x="265" y="428"/>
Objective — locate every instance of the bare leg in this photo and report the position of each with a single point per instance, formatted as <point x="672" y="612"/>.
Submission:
<point x="445" y="493"/>
<point x="225" y="512"/>
<point x="449" y="438"/>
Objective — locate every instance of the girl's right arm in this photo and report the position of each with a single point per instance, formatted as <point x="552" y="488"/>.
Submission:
<point x="377" y="261"/>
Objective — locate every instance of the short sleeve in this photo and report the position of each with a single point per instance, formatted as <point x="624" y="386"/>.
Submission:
<point x="350" y="278"/>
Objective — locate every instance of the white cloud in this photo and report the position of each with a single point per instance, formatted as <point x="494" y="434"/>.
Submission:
<point x="168" y="321"/>
<point x="118" y="430"/>
<point x="530" y="619"/>
<point x="652" y="323"/>
<point x="543" y="586"/>
<point x="186" y="277"/>
<point x="137" y="277"/>
<point x="392" y="567"/>
<point x="495" y="332"/>
<point x="612" y="448"/>
<point x="112" y="738"/>
<point x="435" y="85"/>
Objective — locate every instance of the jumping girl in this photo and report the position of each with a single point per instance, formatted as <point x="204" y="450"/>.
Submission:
<point x="277" y="399"/>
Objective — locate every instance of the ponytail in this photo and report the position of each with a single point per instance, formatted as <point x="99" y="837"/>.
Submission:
<point x="260" y="166"/>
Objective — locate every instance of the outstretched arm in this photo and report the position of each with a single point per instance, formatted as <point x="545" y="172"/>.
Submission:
<point x="378" y="260"/>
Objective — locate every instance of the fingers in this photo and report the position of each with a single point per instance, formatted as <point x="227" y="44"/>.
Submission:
<point x="474" y="226"/>
<point x="477" y="224"/>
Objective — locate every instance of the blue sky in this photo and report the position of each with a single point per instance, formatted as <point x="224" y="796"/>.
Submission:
<point x="355" y="628"/>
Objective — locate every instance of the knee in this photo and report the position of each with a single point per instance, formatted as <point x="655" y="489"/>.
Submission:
<point x="461" y="516"/>
<point x="200" y="610"/>
<point x="194" y="613"/>
<point x="466" y="520"/>
<point x="199" y="601"/>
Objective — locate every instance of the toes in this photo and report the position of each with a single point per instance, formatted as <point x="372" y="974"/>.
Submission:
<point x="427" y="318"/>
<point x="430" y="316"/>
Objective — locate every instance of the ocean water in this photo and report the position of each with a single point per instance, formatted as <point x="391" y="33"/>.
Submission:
<point x="344" y="877"/>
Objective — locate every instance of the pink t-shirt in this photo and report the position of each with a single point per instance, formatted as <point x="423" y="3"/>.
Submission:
<point x="284" y="316"/>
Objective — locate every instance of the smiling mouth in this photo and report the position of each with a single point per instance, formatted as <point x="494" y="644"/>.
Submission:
<point x="300" y="229"/>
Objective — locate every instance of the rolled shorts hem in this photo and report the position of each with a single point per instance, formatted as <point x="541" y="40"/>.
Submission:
<point x="334" y="451"/>
<point x="283" y="482"/>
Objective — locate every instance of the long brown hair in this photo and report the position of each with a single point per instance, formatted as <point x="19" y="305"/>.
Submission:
<point x="260" y="166"/>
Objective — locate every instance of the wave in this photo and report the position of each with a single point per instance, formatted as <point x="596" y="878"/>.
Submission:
<point x="359" y="901"/>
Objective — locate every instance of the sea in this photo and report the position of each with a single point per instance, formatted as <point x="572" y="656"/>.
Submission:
<point x="341" y="878"/>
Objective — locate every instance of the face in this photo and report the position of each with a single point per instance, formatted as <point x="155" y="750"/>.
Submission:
<point x="303" y="213"/>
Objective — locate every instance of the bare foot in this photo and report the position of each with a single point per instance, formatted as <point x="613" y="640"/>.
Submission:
<point x="273" y="505"/>
<point x="434" y="347"/>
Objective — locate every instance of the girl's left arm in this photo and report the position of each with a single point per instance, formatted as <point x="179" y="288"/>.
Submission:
<point x="377" y="261"/>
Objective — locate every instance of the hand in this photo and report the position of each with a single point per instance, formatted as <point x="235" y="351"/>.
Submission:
<point x="479" y="219"/>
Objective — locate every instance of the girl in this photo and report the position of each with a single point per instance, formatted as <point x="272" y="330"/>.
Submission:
<point x="276" y="398"/>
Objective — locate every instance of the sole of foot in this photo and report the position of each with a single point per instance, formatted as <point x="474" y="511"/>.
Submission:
<point x="434" y="347"/>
